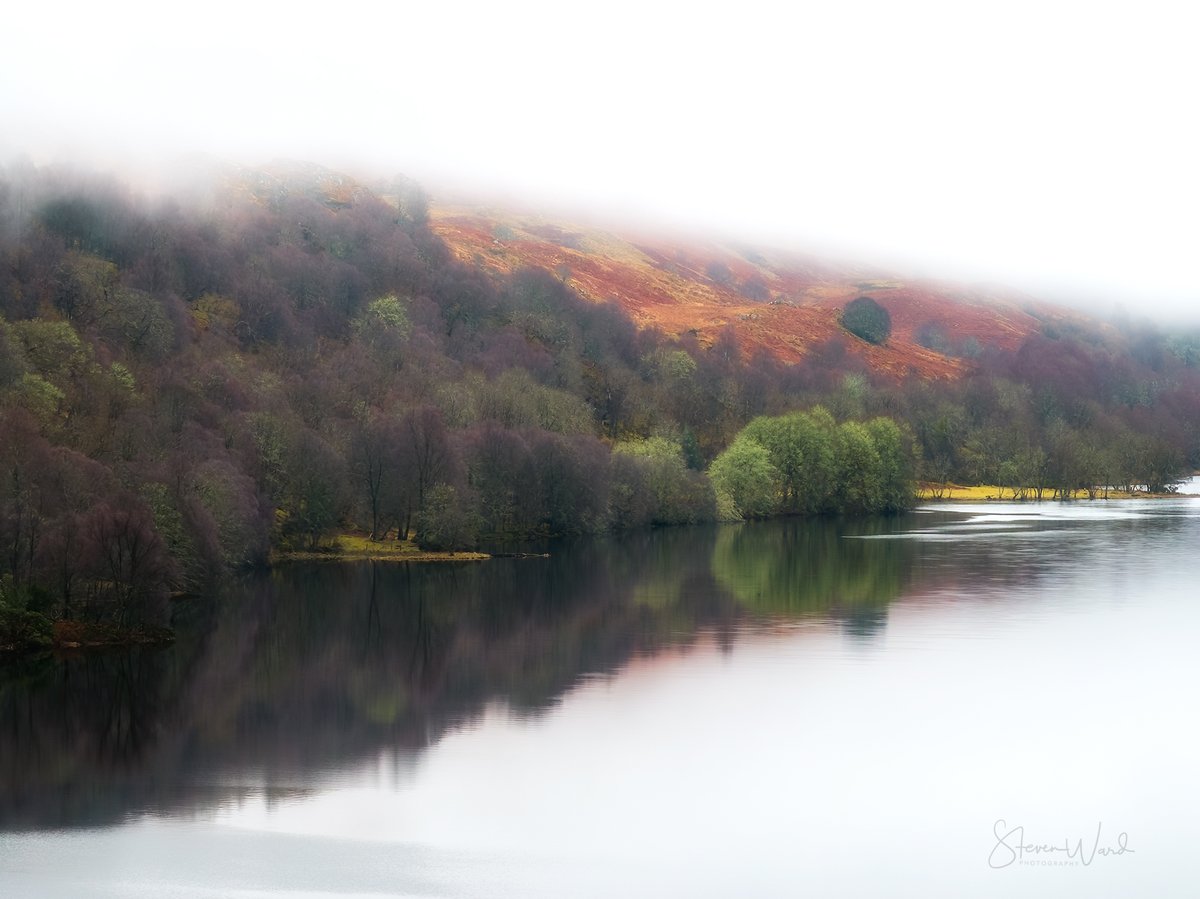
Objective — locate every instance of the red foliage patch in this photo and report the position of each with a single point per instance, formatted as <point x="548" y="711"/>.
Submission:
<point x="786" y="305"/>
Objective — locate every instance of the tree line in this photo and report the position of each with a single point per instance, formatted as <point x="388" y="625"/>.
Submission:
<point x="805" y="463"/>
<point x="187" y="383"/>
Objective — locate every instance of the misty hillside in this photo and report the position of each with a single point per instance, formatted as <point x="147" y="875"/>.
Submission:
<point x="780" y="303"/>
<point x="278" y="356"/>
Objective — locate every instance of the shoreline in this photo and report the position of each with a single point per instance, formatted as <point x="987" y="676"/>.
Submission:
<point x="357" y="548"/>
<point x="928" y="492"/>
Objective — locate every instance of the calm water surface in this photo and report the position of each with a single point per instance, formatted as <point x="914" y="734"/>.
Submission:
<point x="773" y="709"/>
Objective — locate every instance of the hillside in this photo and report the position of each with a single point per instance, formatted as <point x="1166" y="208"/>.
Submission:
<point x="784" y="304"/>
<point x="189" y="384"/>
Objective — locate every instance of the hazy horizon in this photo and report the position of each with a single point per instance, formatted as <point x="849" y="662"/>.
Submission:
<point x="1047" y="150"/>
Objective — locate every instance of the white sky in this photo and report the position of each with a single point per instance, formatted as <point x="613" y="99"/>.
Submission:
<point x="1050" y="145"/>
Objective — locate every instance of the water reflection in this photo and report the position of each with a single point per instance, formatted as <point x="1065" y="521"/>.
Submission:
<point x="311" y="670"/>
<point x="317" y="667"/>
<point x="798" y="569"/>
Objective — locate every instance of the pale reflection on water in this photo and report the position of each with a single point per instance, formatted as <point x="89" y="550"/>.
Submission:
<point x="768" y="710"/>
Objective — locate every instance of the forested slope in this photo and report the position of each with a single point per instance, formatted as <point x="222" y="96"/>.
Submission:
<point x="187" y="382"/>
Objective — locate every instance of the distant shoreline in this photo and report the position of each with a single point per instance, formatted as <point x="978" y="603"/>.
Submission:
<point x="936" y="492"/>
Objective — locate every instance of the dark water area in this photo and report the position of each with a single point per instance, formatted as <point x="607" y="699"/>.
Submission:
<point x="316" y="665"/>
<point x="751" y="710"/>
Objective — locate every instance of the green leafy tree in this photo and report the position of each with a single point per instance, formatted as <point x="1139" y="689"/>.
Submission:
<point x="860" y="482"/>
<point x="747" y="483"/>
<point x="819" y="466"/>
<point x="896" y="462"/>
<point x="802" y="449"/>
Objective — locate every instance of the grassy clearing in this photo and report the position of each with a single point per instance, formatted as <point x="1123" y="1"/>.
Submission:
<point x="928" y="492"/>
<point x="359" y="548"/>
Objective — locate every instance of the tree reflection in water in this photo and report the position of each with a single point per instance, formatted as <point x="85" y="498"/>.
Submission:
<point x="797" y="568"/>
<point x="316" y="668"/>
